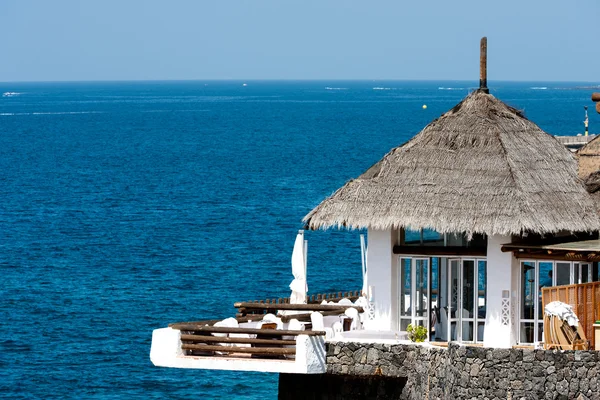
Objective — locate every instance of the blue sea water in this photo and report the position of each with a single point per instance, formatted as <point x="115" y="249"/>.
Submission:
<point x="126" y="206"/>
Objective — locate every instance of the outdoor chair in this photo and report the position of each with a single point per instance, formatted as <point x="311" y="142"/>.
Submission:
<point x="316" y="319"/>
<point x="294" y="325"/>
<point x="226" y="323"/>
<point x="352" y="313"/>
<point x="559" y="334"/>
<point x="275" y="319"/>
<point x="338" y="329"/>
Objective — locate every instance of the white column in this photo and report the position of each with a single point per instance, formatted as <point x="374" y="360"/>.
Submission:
<point x="498" y="329"/>
<point x="379" y="271"/>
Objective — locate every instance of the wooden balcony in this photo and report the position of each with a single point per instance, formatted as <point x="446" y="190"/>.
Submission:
<point x="249" y="341"/>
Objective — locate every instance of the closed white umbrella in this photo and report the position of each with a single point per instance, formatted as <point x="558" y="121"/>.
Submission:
<point x="298" y="285"/>
<point x="363" y="258"/>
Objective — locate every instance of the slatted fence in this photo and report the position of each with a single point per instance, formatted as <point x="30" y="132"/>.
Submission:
<point x="585" y="300"/>
<point x="311" y="299"/>
<point x="200" y="340"/>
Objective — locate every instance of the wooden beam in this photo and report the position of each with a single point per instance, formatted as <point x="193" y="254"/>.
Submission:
<point x="210" y="322"/>
<point x="557" y="255"/>
<point x="216" y="339"/>
<point x="275" y="351"/>
<point x="541" y="256"/>
<point x="265" y="332"/>
<point x="305" y="317"/>
<point x="441" y="250"/>
<point x="483" y="65"/>
<point x="296" y="307"/>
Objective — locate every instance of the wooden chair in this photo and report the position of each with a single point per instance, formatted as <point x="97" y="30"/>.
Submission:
<point x="559" y="334"/>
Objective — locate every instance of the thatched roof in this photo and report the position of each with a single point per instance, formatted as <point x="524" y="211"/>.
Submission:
<point x="588" y="157"/>
<point x="482" y="167"/>
<point x="592" y="184"/>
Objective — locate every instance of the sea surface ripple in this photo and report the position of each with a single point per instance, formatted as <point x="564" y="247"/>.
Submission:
<point x="126" y="206"/>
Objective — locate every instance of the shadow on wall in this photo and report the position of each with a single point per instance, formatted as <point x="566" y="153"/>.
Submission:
<point x="328" y="386"/>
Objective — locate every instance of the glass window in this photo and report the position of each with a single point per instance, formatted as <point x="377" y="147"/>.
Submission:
<point x="545" y="280"/>
<point x="586" y="273"/>
<point x="527" y="290"/>
<point x="405" y="278"/>
<point x="468" y="289"/>
<point x="527" y="333"/>
<point x="404" y="324"/>
<point x="432" y="238"/>
<point x="481" y="288"/>
<point x="454" y="276"/>
<point x="422" y="284"/>
<point x="563" y="273"/>
<point x="412" y="237"/>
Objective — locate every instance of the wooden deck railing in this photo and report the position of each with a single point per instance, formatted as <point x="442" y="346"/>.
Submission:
<point x="198" y="340"/>
<point x="202" y="338"/>
<point x="311" y="299"/>
<point x="585" y="300"/>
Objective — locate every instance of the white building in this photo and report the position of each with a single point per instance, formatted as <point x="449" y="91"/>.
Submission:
<point x="457" y="221"/>
<point x="466" y="222"/>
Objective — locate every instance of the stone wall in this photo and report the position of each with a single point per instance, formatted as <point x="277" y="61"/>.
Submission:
<point x="461" y="372"/>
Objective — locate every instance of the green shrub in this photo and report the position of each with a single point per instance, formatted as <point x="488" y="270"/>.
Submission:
<point x="416" y="333"/>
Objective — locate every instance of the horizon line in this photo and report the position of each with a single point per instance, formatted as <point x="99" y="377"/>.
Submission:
<point x="293" y="80"/>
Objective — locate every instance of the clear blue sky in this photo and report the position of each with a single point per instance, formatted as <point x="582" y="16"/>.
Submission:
<point x="44" y="40"/>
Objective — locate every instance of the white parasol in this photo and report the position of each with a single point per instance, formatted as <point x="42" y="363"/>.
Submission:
<point x="298" y="285"/>
<point x="363" y="257"/>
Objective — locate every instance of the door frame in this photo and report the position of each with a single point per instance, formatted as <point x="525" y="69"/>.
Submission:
<point x="458" y="320"/>
<point x="399" y="282"/>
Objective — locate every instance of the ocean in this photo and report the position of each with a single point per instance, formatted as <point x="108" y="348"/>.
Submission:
<point x="126" y="206"/>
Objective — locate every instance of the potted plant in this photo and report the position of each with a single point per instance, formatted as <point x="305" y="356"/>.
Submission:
<point x="417" y="333"/>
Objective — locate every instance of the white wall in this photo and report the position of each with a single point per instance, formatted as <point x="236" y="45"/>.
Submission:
<point x="379" y="263"/>
<point x="310" y="356"/>
<point x="499" y="279"/>
<point x="515" y="296"/>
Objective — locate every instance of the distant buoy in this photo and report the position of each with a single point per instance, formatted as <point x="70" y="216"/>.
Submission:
<point x="424" y="106"/>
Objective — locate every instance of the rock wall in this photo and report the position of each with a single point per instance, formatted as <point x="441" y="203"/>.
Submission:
<point x="461" y="372"/>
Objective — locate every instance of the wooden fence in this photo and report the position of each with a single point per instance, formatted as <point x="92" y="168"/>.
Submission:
<point x="585" y="300"/>
<point x="198" y="337"/>
<point x="198" y="340"/>
<point x="311" y="299"/>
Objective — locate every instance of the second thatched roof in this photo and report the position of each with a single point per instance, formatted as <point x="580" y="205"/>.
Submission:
<point x="482" y="167"/>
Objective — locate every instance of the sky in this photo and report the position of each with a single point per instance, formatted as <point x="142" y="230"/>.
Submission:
<point x="72" y="40"/>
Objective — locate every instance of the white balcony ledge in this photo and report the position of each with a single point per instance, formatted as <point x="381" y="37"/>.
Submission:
<point x="310" y="357"/>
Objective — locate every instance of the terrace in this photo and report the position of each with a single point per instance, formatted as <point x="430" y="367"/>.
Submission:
<point x="268" y="335"/>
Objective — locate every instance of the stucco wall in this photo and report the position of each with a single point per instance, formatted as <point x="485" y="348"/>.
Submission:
<point x="498" y="330"/>
<point x="379" y="262"/>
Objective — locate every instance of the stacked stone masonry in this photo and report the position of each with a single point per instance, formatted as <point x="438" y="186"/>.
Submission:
<point x="462" y="372"/>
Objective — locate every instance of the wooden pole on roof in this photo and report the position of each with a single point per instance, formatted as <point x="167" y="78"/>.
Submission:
<point x="483" y="65"/>
<point x="586" y="121"/>
<point x="596" y="98"/>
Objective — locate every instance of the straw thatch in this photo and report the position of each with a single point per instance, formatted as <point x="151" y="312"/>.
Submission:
<point x="482" y="167"/>
<point x="589" y="158"/>
<point x="592" y="184"/>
